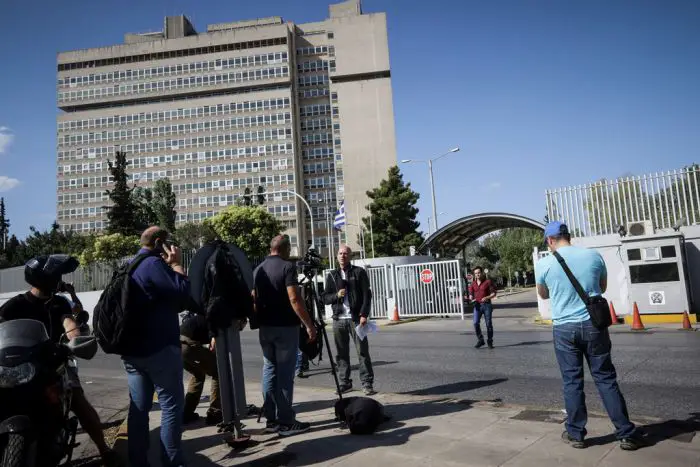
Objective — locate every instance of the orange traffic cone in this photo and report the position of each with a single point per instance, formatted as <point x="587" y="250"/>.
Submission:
<point x="636" y="320"/>
<point x="395" y="316"/>
<point x="613" y="315"/>
<point x="686" y="321"/>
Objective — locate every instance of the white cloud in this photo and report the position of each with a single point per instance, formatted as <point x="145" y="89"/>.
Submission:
<point x="494" y="185"/>
<point x="7" y="183"/>
<point x="6" y="138"/>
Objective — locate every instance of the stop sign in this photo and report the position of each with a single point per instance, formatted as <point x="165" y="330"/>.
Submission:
<point x="426" y="276"/>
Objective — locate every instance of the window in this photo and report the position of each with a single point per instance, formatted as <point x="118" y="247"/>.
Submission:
<point x="668" y="251"/>
<point x="634" y="255"/>
<point x="659" y="272"/>
<point x="331" y="35"/>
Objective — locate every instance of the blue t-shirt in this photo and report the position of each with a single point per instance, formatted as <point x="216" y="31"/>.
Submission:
<point x="587" y="266"/>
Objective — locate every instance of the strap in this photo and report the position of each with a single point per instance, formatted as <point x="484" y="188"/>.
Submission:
<point x="571" y="277"/>
<point x="135" y="263"/>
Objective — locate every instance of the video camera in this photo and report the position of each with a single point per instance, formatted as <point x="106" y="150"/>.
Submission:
<point x="311" y="264"/>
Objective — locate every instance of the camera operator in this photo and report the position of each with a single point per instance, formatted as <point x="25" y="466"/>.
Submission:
<point x="279" y="311"/>
<point x="347" y="290"/>
<point x="43" y="303"/>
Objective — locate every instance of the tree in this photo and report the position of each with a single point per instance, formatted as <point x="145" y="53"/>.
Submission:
<point x="164" y="202"/>
<point x="249" y="228"/>
<point x="4" y="224"/>
<point x="121" y="214"/>
<point x="393" y="210"/>
<point x="110" y="249"/>
<point x="191" y="235"/>
<point x="515" y="247"/>
<point x="144" y="213"/>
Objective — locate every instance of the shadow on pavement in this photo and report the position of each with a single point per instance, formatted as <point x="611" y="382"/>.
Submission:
<point x="455" y="388"/>
<point x="526" y="343"/>
<point x="677" y="430"/>
<point x="505" y="306"/>
<point x="315" y="370"/>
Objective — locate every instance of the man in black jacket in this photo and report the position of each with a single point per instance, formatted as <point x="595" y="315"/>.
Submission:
<point x="347" y="290"/>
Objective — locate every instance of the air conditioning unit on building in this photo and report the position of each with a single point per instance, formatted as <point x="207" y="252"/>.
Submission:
<point x="635" y="229"/>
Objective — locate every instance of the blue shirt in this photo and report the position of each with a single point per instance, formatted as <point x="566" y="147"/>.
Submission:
<point x="167" y="292"/>
<point x="587" y="266"/>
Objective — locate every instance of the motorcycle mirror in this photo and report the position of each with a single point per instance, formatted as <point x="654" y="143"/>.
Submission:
<point x="83" y="347"/>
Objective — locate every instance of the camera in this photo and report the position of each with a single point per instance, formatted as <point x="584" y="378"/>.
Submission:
<point x="311" y="264"/>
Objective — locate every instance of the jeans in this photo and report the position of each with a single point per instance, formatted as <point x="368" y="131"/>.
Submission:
<point x="200" y="362"/>
<point x="302" y="361"/>
<point x="485" y="310"/>
<point x="343" y="331"/>
<point x="279" y="346"/>
<point x="572" y="343"/>
<point x="161" y="372"/>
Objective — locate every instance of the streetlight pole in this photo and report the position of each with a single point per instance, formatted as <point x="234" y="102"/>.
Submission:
<point x="432" y="183"/>
<point x="311" y="215"/>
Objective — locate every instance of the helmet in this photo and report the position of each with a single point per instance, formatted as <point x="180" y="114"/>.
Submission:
<point x="44" y="272"/>
<point x="314" y="348"/>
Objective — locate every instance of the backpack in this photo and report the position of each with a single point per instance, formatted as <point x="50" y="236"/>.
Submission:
<point x="361" y="415"/>
<point x="114" y="322"/>
<point x="225" y="295"/>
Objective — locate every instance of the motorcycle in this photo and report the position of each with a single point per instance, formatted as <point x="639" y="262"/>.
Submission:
<point x="36" y="426"/>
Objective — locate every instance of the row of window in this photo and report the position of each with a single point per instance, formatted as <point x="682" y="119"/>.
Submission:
<point x="215" y="200"/>
<point x="316" y="153"/>
<point x="175" y="114"/>
<point x="82" y="197"/>
<point x="314" y="65"/>
<point x="317" y="50"/>
<point x="222" y="169"/>
<point x="313" y="80"/>
<point x="325" y="138"/>
<point x="172" y="84"/>
<point x="313" y="93"/>
<point x="182" y="128"/>
<point x="174" y="53"/>
<point x="169" y="70"/>
<point x="319" y="167"/>
<point x="233" y="184"/>
<point x="328" y="196"/>
<point x="319" y="182"/>
<point x="317" y="124"/>
<point x="313" y="110"/>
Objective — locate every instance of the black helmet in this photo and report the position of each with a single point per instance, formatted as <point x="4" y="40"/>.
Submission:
<point x="44" y="272"/>
<point x="314" y="348"/>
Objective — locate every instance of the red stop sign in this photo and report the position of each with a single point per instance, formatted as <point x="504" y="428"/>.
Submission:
<point x="426" y="276"/>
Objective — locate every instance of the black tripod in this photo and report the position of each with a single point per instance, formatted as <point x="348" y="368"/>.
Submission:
<point x="312" y="298"/>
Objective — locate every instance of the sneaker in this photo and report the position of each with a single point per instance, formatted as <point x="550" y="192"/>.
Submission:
<point x="490" y="345"/>
<point x="568" y="439"/>
<point x="294" y="429"/>
<point x="271" y="427"/>
<point x="301" y="374"/>
<point x="479" y="344"/>
<point x="369" y="391"/>
<point x="190" y="417"/>
<point x="631" y="444"/>
<point x="344" y="388"/>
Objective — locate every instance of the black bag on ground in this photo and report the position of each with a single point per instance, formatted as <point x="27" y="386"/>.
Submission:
<point x="362" y="415"/>
<point x="597" y="305"/>
<point x="115" y="318"/>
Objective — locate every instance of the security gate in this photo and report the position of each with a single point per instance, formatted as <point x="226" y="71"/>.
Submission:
<point x="429" y="289"/>
<point x="379" y="285"/>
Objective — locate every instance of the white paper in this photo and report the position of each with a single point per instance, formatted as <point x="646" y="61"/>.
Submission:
<point x="363" y="331"/>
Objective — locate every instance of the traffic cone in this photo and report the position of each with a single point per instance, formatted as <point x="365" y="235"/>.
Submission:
<point x="613" y="315"/>
<point x="686" y="321"/>
<point x="395" y="316"/>
<point x="636" y="319"/>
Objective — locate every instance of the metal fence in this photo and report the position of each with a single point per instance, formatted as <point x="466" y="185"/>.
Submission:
<point x="665" y="199"/>
<point x="429" y="289"/>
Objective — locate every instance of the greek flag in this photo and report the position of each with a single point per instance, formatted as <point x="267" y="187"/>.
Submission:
<point x="339" y="220"/>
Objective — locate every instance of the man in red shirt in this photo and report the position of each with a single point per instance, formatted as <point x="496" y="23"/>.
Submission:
<point x="481" y="291"/>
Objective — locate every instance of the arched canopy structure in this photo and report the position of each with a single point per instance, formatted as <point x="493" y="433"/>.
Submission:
<point x="452" y="238"/>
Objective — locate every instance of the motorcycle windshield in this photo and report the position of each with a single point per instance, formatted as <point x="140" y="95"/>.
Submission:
<point x="22" y="333"/>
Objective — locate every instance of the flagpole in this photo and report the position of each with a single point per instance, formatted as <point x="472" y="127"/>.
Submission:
<point x="330" y="240"/>
<point x="371" y="232"/>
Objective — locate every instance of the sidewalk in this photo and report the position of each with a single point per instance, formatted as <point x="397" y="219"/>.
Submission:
<point x="430" y="431"/>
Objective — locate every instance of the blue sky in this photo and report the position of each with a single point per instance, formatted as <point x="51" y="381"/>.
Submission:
<point x="536" y="93"/>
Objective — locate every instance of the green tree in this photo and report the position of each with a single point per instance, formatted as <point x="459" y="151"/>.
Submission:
<point x="191" y="235"/>
<point x="121" y="214"/>
<point x="110" y="249"/>
<point x="249" y="228"/>
<point x="164" y="202"/>
<point x="144" y="214"/>
<point x="393" y="210"/>
<point x="4" y="224"/>
<point x="515" y="248"/>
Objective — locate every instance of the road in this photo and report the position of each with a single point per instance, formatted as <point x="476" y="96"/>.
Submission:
<point x="658" y="370"/>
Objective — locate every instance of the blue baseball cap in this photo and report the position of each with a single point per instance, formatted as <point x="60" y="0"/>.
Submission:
<point x="554" y="229"/>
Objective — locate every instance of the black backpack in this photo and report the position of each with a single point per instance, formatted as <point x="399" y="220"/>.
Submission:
<point x="114" y="322"/>
<point x="225" y="295"/>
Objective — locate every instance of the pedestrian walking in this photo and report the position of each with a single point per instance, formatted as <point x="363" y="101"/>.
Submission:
<point x="481" y="292"/>
<point x="279" y="311"/>
<point x="576" y="337"/>
<point x="347" y="291"/>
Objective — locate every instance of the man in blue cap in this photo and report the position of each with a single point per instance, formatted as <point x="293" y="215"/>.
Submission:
<point x="575" y="337"/>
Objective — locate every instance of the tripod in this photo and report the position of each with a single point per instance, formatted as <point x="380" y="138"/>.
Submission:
<point x="312" y="298"/>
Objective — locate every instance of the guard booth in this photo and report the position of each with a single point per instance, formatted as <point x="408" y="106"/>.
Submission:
<point x="657" y="271"/>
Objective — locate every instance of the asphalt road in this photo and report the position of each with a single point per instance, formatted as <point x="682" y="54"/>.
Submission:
<point x="658" y="370"/>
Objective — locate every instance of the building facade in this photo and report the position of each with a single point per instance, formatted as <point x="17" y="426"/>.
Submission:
<point x="294" y="108"/>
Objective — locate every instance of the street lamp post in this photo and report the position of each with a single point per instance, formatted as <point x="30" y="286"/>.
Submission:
<point x="432" y="183"/>
<point x="311" y="215"/>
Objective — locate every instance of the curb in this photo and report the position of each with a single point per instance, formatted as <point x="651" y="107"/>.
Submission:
<point x="405" y="320"/>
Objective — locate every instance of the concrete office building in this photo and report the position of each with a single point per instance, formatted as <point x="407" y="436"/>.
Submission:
<point x="300" y="107"/>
